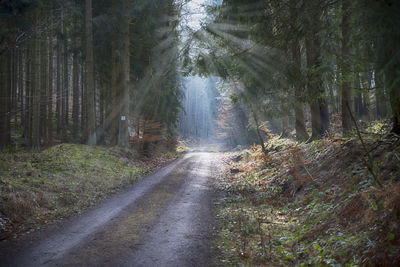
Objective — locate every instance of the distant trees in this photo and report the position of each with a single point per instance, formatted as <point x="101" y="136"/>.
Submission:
<point x="76" y="71"/>
<point x="198" y="119"/>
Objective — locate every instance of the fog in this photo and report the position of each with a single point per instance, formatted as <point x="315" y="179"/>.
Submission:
<point x="199" y="115"/>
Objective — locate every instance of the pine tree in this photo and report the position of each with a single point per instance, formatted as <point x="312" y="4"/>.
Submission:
<point x="89" y="76"/>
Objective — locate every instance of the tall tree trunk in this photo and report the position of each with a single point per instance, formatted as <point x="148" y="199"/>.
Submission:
<point x="347" y="124"/>
<point x="91" y="105"/>
<point x="319" y="107"/>
<point x="115" y="114"/>
<point x="65" y="83"/>
<point x="43" y="88"/>
<point x="301" y="132"/>
<point x="102" y="108"/>
<point x="27" y="95"/>
<point x="108" y="117"/>
<point x="4" y="101"/>
<point x="8" y="107"/>
<point x="75" y="87"/>
<point x="115" y="70"/>
<point x="84" y="126"/>
<point x="14" y="104"/>
<point x="313" y="91"/>
<point x="50" y="86"/>
<point x="36" y="92"/>
<point x="59" y="100"/>
<point x="123" y="137"/>
<point x="21" y="78"/>
<point x="32" y="90"/>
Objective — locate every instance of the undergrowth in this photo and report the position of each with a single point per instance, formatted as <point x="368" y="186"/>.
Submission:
<point x="39" y="188"/>
<point x="312" y="204"/>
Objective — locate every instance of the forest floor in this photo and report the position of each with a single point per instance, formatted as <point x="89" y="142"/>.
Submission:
<point x="40" y="188"/>
<point x="312" y="204"/>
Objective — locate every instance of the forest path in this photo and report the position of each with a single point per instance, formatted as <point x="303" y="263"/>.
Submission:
<point x="164" y="220"/>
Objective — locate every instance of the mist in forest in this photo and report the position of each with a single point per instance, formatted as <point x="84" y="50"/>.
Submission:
<point x="199" y="109"/>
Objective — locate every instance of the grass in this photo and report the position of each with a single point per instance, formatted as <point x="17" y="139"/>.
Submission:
<point x="39" y="188"/>
<point x="312" y="205"/>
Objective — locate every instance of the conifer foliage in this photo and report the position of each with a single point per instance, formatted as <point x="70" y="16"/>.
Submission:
<point x="316" y="60"/>
<point x="86" y="71"/>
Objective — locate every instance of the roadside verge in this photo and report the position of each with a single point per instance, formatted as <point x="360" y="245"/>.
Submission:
<point x="37" y="189"/>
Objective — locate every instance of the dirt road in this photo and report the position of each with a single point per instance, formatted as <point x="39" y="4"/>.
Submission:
<point x="164" y="220"/>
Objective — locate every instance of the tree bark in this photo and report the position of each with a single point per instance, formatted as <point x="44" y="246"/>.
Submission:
<point x="84" y="125"/>
<point x="89" y="77"/>
<point x="14" y="101"/>
<point x="27" y="95"/>
<point x="319" y="107"/>
<point x="59" y="102"/>
<point x="301" y="131"/>
<point x="65" y="82"/>
<point x="75" y="86"/>
<point x="115" y="113"/>
<point x="36" y="93"/>
<point x="43" y="88"/>
<point x="21" y="78"/>
<point x="50" y="86"/>
<point x="313" y="85"/>
<point x="101" y="134"/>
<point x="347" y="124"/>
<point x="123" y="137"/>
<point x="4" y="99"/>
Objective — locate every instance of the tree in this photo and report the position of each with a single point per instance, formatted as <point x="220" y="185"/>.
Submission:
<point x="319" y="108"/>
<point x="35" y="78"/>
<point x="124" y="77"/>
<point x="347" y="124"/>
<point x="35" y="31"/>
<point x="75" y="83"/>
<point x="296" y="76"/>
<point x="50" y="84"/>
<point x="4" y="102"/>
<point x="89" y="76"/>
<point x="381" y="20"/>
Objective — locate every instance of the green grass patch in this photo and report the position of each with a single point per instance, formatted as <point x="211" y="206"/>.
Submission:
<point x="38" y="188"/>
